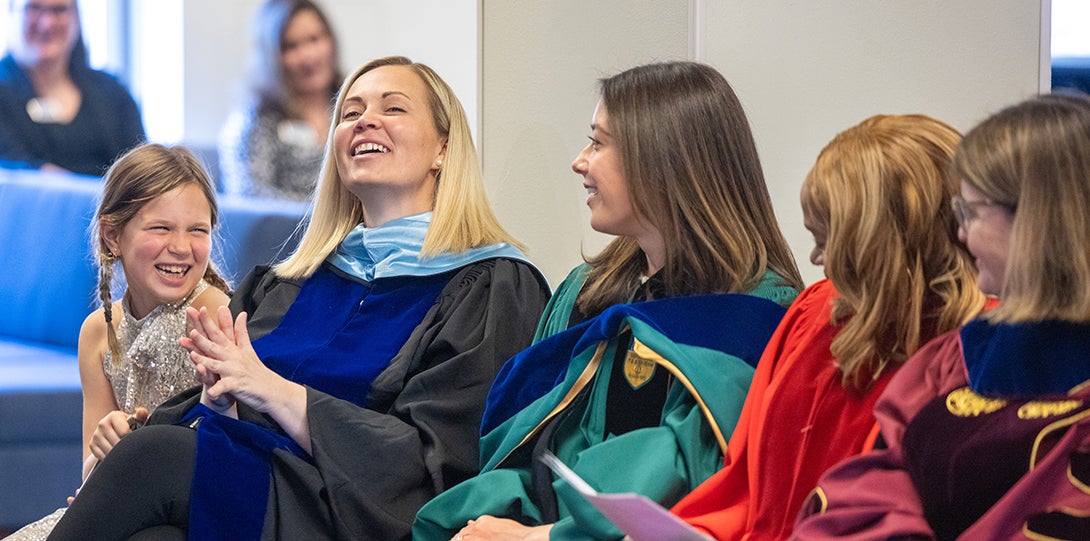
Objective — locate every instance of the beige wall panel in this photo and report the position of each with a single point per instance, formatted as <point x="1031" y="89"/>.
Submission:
<point x="540" y="66"/>
<point x="807" y="70"/>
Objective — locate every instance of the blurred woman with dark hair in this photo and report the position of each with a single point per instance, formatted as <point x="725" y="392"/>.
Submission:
<point x="272" y="145"/>
<point x="59" y="114"/>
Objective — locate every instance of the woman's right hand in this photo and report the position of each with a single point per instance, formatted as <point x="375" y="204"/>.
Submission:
<point x="222" y="352"/>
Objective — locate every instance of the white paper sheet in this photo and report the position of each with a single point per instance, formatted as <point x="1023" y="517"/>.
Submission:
<point x="637" y="516"/>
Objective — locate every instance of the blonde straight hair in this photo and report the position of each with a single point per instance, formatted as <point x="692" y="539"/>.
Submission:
<point x="462" y="217"/>
<point x="1034" y="158"/>
<point x="882" y="190"/>
<point x="692" y="171"/>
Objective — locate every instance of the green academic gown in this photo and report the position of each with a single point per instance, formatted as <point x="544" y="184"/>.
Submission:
<point x="664" y="462"/>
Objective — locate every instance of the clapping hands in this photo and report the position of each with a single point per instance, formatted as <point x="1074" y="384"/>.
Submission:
<point x="228" y="366"/>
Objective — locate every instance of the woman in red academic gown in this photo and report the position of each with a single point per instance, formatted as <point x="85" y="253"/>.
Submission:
<point x="877" y="203"/>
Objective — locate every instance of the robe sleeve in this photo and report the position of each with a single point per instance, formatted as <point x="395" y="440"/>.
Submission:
<point x="418" y="434"/>
<point x="871" y="496"/>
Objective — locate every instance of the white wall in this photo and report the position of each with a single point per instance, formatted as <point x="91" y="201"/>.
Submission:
<point x="804" y="71"/>
<point x="1069" y="23"/>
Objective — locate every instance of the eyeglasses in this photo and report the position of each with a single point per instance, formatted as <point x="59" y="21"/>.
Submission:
<point x="966" y="211"/>
<point x="32" y="9"/>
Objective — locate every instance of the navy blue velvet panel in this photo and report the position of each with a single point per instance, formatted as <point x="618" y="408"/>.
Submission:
<point x="340" y="333"/>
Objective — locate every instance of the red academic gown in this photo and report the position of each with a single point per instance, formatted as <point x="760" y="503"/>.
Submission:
<point x="797" y="421"/>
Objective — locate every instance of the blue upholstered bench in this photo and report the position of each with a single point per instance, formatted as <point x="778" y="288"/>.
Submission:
<point x="47" y="282"/>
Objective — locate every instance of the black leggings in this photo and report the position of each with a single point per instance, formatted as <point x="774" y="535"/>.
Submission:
<point x="140" y="491"/>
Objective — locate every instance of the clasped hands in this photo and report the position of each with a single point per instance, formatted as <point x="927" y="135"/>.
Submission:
<point x="231" y="372"/>
<point x="227" y="365"/>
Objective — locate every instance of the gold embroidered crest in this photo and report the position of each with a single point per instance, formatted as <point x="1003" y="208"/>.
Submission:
<point x="964" y="402"/>
<point x="1039" y="409"/>
<point x="637" y="370"/>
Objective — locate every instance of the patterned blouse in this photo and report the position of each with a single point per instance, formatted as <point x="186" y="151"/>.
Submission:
<point x="268" y="155"/>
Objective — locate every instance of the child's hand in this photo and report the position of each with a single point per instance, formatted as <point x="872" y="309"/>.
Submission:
<point x="114" y="426"/>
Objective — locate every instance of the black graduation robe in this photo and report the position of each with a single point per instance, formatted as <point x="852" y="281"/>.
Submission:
<point x="373" y="467"/>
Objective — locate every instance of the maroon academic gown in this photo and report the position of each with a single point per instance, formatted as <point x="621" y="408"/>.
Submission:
<point x="1004" y="465"/>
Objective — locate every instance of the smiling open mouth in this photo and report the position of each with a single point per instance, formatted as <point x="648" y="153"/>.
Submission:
<point x="369" y="148"/>
<point x="173" y="270"/>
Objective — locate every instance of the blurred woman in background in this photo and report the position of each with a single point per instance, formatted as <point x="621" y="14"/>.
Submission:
<point x="272" y="145"/>
<point x="58" y="113"/>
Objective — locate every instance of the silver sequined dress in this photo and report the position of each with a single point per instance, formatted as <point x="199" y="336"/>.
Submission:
<point x="153" y="369"/>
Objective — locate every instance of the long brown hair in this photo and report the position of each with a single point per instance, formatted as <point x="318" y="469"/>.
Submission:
<point x="692" y="171"/>
<point x="881" y="191"/>
<point x="134" y="180"/>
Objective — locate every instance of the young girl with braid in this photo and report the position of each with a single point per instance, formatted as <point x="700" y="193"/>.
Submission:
<point x="155" y="219"/>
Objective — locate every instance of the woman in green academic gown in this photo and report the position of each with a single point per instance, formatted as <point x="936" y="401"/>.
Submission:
<point x="640" y="396"/>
